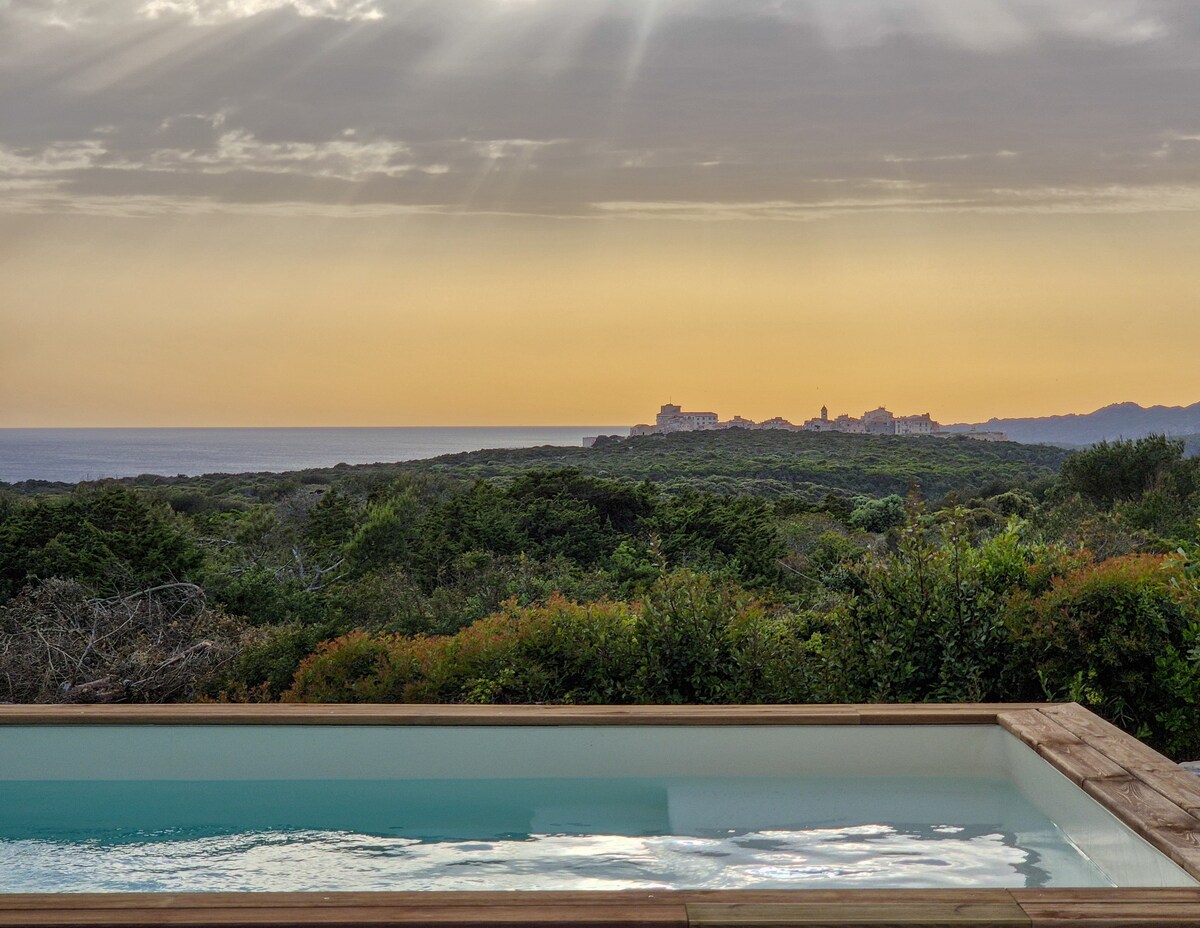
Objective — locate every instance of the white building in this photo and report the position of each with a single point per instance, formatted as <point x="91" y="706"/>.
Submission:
<point x="880" y="421"/>
<point x="916" y="425"/>
<point x="876" y="422"/>
<point x="672" y="418"/>
<point x="842" y="423"/>
<point x="820" y="424"/>
<point x="778" y="422"/>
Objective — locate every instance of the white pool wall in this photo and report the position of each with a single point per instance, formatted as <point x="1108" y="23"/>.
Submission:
<point x="320" y="752"/>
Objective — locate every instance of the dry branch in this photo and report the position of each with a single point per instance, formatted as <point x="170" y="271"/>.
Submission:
<point x="60" y="644"/>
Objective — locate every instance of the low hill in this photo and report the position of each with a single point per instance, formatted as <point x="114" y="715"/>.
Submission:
<point x="1121" y="420"/>
<point x="773" y="463"/>
<point x="759" y="463"/>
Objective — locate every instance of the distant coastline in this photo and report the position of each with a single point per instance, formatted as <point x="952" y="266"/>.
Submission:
<point x="73" y="455"/>
<point x="1072" y="430"/>
<point x="76" y="454"/>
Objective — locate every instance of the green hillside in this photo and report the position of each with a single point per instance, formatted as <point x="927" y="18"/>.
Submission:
<point x="773" y="463"/>
<point x="765" y="464"/>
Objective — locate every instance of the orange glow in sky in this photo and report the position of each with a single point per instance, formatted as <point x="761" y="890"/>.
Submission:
<point x="483" y="212"/>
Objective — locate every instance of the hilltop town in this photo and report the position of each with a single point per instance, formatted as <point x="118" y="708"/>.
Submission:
<point x="879" y="421"/>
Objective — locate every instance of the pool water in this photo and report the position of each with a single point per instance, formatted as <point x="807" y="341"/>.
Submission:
<point x="714" y="832"/>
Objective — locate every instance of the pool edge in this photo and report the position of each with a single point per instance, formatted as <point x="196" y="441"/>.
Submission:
<point x="423" y="714"/>
<point x="1149" y="793"/>
<point x="1146" y="791"/>
<point x="667" y="909"/>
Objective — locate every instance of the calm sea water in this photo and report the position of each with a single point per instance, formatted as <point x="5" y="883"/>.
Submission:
<point x="543" y="834"/>
<point x="72" y="455"/>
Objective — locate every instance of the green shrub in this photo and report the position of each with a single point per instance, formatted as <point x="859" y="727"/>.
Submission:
<point x="266" y="668"/>
<point x="1123" y="471"/>
<point x="1120" y="637"/>
<point x="731" y="536"/>
<point x="691" y="640"/>
<point x="352" y="668"/>
<point x="106" y="536"/>
<point x="927" y="622"/>
<point x="877" y="515"/>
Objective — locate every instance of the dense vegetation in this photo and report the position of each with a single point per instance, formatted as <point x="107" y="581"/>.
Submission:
<point x="755" y="463"/>
<point x="699" y="568"/>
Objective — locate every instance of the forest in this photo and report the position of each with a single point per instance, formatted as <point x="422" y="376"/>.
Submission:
<point x="693" y="568"/>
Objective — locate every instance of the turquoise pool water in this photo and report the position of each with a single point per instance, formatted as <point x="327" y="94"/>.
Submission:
<point x="529" y="834"/>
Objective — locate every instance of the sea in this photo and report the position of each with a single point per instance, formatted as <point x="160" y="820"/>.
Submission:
<point x="72" y="455"/>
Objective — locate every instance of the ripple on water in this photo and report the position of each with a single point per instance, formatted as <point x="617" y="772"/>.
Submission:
<point x="866" y="856"/>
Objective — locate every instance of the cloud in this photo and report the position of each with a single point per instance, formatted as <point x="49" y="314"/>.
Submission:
<point x="1108" y="200"/>
<point x="983" y="25"/>
<point x="548" y="107"/>
<point x="236" y="150"/>
<point x="71" y="14"/>
<point x="44" y="199"/>
<point x="53" y="159"/>
<point x="980" y="24"/>
<point x="213" y="150"/>
<point x="239" y="150"/>
<point x="207" y="12"/>
<point x="494" y="149"/>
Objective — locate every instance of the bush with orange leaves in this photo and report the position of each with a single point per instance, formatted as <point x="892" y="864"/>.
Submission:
<point x="938" y="619"/>
<point x="1123" y="637"/>
<point x="692" y="640"/>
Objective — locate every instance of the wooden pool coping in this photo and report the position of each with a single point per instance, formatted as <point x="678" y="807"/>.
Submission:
<point x="1152" y="795"/>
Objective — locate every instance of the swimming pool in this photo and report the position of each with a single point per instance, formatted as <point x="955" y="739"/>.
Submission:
<point x="535" y="802"/>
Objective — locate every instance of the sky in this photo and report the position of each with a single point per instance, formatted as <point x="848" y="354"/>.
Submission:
<point x="485" y="212"/>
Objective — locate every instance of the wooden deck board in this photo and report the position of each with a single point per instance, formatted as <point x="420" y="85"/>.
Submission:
<point x="1151" y="794"/>
<point x="1178" y="907"/>
<point x="1140" y="803"/>
<point x="1119" y="746"/>
<point x="1100" y="908"/>
<point x="421" y="714"/>
<point x="1035" y="728"/>
<point x="1075" y="717"/>
<point x="850" y="914"/>
<point x="928" y="714"/>
<point x="1080" y="762"/>
<point x="616" y="915"/>
<point x="1113" y="915"/>
<point x="483" y="898"/>
<point x="1177" y="785"/>
<point x="1170" y="829"/>
<point x="204" y="900"/>
<point x="1123" y="895"/>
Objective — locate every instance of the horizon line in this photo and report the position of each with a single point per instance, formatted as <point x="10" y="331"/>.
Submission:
<point x="556" y="425"/>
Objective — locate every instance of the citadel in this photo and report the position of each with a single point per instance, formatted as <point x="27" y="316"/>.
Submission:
<point x="672" y="418"/>
<point x="880" y="421"/>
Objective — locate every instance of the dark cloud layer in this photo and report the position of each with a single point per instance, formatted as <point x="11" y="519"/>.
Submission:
<point x="691" y="108"/>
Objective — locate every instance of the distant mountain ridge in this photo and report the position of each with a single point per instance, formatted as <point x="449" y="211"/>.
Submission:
<point x="1120" y="420"/>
